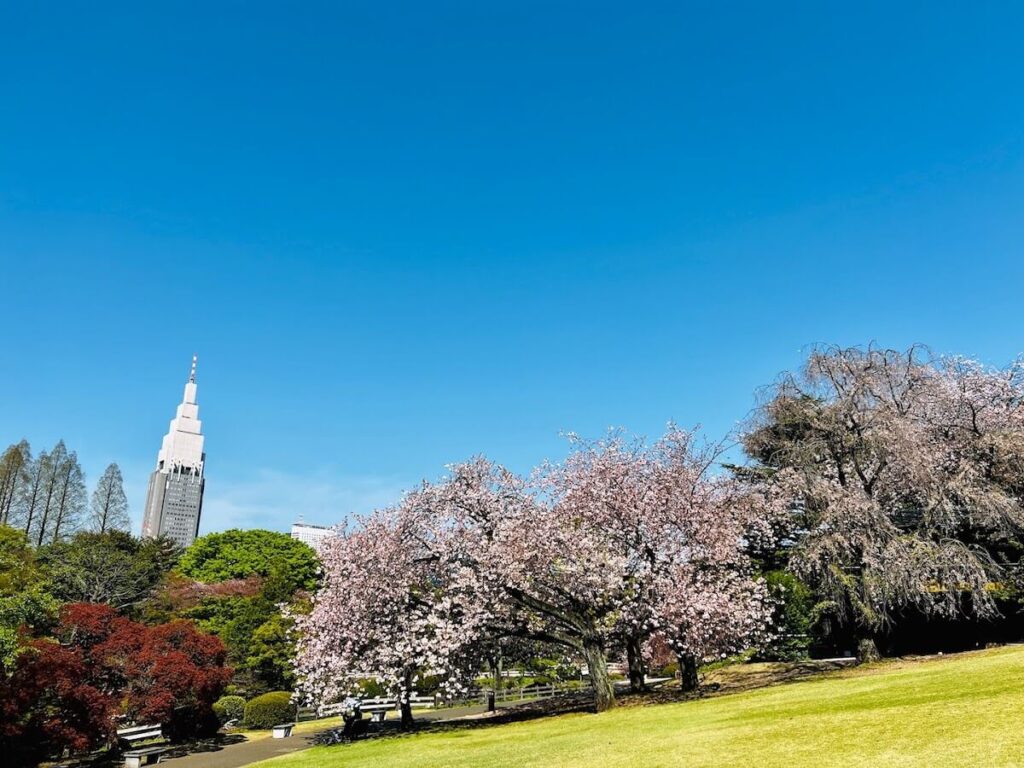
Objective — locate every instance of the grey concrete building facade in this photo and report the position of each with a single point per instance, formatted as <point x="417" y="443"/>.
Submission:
<point x="174" y="502"/>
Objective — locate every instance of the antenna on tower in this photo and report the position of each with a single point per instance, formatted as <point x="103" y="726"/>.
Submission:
<point x="192" y="376"/>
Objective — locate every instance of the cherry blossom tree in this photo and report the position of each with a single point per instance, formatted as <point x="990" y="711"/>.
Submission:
<point x="596" y="549"/>
<point x="537" y="572"/>
<point x="685" y="531"/>
<point x="617" y="542"/>
<point x="390" y="608"/>
<point x="902" y="475"/>
<point x="709" y="610"/>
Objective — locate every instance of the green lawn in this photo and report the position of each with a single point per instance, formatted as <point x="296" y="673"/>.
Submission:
<point x="965" y="710"/>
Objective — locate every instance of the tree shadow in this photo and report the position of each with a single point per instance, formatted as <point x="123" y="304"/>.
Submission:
<point x="737" y="680"/>
<point x="520" y="712"/>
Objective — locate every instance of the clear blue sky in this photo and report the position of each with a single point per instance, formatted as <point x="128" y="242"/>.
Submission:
<point x="400" y="235"/>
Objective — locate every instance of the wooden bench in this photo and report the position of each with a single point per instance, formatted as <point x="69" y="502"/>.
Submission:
<point x="136" y="758"/>
<point x="377" y="709"/>
<point x="138" y="755"/>
<point x="283" y="731"/>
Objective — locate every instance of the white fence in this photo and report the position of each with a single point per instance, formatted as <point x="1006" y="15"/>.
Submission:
<point x="473" y="697"/>
<point x="332" y="710"/>
<point x="479" y="696"/>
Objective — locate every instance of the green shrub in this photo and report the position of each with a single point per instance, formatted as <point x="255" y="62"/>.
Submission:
<point x="270" y="709"/>
<point x="551" y="669"/>
<point x="669" y="670"/>
<point x="737" y="658"/>
<point x="371" y="689"/>
<point x="428" y="684"/>
<point x="229" y="708"/>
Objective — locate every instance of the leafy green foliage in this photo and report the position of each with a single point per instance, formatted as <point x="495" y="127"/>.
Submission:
<point x="236" y="554"/>
<point x="232" y="619"/>
<point x="545" y="670"/>
<point x="261" y="647"/>
<point x="228" y="708"/>
<point x="792" y="617"/>
<point x="272" y="652"/>
<point x="269" y="710"/>
<point x="26" y="606"/>
<point x="33" y="609"/>
<point x="9" y="647"/>
<point x="669" y="670"/>
<point x="18" y="568"/>
<point x="371" y="689"/>
<point x="258" y="638"/>
<point x="113" y="568"/>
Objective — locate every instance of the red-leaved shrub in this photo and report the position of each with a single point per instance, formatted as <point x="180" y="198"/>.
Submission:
<point x="65" y="695"/>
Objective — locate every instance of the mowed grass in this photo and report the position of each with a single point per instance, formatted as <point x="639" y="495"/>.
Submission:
<point x="965" y="710"/>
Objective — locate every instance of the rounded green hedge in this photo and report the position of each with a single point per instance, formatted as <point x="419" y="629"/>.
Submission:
<point x="229" y="708"/>
<point x="269" y="710"/>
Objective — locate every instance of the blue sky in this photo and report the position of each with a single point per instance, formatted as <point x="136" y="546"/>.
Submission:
<point x="398" y="235"/>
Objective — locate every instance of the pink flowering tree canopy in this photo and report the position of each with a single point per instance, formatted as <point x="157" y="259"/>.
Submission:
<point x="389" y="609"/>
<point x="613" y="544"/>
<point x="620" y="541"/>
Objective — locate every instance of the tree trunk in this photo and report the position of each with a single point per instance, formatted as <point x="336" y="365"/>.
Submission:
<point x="688" y="680"/>
<point x="867" y="650"/>
<point x="7" y="490"/>
<point x="406" y="709"/>
<point x="597" y="666"/>
<point x="405" y="704"/>
<point x="31" y="510"/>
<point x="44" y="519"/>
<point x="104" y="514"/>
<point x="635" y="658"/>
<point x="496" y="672"/>
<point x="62" y="505"/>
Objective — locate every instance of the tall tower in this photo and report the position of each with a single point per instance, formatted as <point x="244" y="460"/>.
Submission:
<point x="175" y="498"/>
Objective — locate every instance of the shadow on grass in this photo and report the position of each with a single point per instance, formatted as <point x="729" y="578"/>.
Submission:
<point x="517" y="713"/>
<point x="581" y="703"/>
<point x="727" y="680"/>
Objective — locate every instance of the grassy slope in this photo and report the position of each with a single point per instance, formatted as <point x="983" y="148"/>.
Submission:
<point x="955" y="711"/>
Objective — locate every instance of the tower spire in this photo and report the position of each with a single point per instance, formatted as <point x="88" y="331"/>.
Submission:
<point x="175" y="499"/>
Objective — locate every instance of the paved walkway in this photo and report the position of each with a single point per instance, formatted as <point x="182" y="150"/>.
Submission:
<point x="248" y="752"/>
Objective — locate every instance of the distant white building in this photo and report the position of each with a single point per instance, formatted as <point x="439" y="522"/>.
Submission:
<point x="313" y="535"/>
